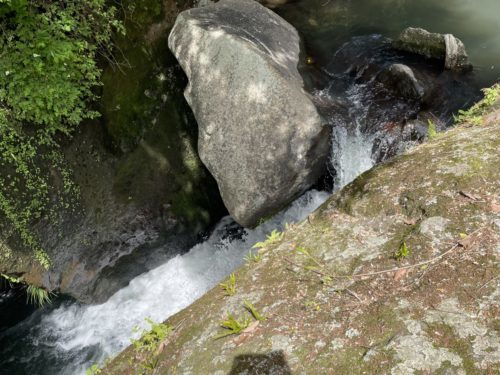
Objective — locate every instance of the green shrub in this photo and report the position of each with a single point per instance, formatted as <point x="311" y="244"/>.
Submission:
<point x="48" y="72"/>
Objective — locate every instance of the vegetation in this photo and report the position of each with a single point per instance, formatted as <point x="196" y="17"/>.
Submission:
<point x="48" y="73"/>
<point x="34" y="295"/>
<point x="151" y="339"/>
<point x="474" y="114"/>
<point x="403" y="252"/>
<point x="229" y="287"/>
<point x="93" y="370"/>
<point x="251" y="309"/>
<point x="272" y="238"/>
<point x="253" y="257"/>
<point x="233" y="326"/>
<point x="38" y="296"/>
<point x="431" y="129"/>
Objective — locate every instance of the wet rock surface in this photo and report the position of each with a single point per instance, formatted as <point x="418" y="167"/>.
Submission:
<point x="337" y="298"/>
<point x="445" y="47"/>
<point x="259" y="133"/>
<point x="144" y="195"/>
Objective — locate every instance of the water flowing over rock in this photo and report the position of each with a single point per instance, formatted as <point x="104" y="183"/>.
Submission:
<point x="433" y="45"/>
<point x="259" y="133"/>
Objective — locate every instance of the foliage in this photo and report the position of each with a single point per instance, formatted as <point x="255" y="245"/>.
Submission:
<point x="253" y="257"/>
<point x="93" y="370"/>
<point x="403" y="252"/>
<point x="151" y="339"/>
<point x="12" y="279"/>
<point x="307" y="254"/>
<point x="38" y="296"/>
<point x="431" y="129"/>
<point x="474" y="114"/>
<point x="271" y="239"/>
<point x="251" y="309"/>
<point x="229" y="287"/>
<point x="48" y="70"/>
<point x="233" y="326"/>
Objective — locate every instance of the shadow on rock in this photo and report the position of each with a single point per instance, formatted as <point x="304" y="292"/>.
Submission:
<point x="261" y="364"/>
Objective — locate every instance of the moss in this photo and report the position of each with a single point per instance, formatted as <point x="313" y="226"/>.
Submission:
<point x="444" y="336"/>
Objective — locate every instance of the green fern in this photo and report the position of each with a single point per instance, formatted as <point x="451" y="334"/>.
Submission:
<point x="233" y="326"/>
<point x="253" y="257"/>
<point x="403" y="252"/>
<point x="431" y="129"/>
<point x="251" y="309"/>
<point x="230" y="286"/>
<point x="271" y="238"/>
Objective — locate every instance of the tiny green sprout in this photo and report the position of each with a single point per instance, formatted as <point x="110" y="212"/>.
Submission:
<point x="251" y="309"/>
<point x="312" y="305"/>
<point x="230" y="286"/>
<point x="431" y="129"/>
<point x="403" y="252"/>
<point x="253" y="257"/>
<point x="233" y="326"/>
<point x="271" y="238"/>
<point x="306" y="253"/>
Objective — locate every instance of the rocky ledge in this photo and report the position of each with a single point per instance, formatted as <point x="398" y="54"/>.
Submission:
<point x="395" y="274"/>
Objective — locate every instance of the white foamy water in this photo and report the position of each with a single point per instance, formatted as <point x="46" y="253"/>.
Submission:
<point x="351" y="152"/>
<point x="83" y="335"/>
<point x="352" y="155"/>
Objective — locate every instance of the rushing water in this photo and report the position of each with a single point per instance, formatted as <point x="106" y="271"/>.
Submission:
<point x="72" y="337"/>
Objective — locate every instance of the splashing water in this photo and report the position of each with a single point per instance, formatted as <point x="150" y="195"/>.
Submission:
<point x="72" y="337"/>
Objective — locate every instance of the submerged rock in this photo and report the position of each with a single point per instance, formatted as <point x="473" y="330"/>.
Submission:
<point x="433" y="45"/>
<point x="259" y="133"/>
<point x="401" y="79"/>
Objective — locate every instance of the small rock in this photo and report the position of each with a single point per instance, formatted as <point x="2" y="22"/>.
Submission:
<point x="433" y="45"/>
<point x="401" y="80"/>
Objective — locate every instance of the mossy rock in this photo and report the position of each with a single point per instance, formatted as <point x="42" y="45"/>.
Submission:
<point x="433" y="311"/>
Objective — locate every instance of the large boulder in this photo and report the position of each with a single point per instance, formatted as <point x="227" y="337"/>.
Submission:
<point x="433" y="45"/>
<point x="259" y="132"/>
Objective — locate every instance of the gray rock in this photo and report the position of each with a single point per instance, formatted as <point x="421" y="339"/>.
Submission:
<point x="259" y="133"/>
<point x="401" y="80"/>
<point x="433" y="45"/>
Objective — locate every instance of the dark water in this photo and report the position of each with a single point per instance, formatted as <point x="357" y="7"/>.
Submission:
<point x="326" y="24"/>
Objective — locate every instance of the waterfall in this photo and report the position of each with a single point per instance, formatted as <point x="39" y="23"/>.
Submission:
<point x="72" y="337"/>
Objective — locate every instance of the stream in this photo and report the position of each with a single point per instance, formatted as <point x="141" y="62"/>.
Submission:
<point x="68" y="337"/>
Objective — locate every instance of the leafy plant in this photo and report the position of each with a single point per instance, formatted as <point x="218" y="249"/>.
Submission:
<point x="48" y="73"/>
<point x="229" y="287"/>
<point x="233" y="326"/>
<point x="307" y="254"/>
<point x="474" y="114"/>
<point x="38" y="296"/>
<point x="152" y="338"/>
<point x="403" y="252"/>
<point x="253" y="257"/>
<point x="431" y="129"/>
<point x="271" y="238"/>
<point x="12" y="279"/>
<point x="251" y="309"/>
<point x="93" y="370"/>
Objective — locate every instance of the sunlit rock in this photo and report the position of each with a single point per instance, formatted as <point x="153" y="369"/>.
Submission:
<point x="259" y="132"/>
<point x="433" y="45"/>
